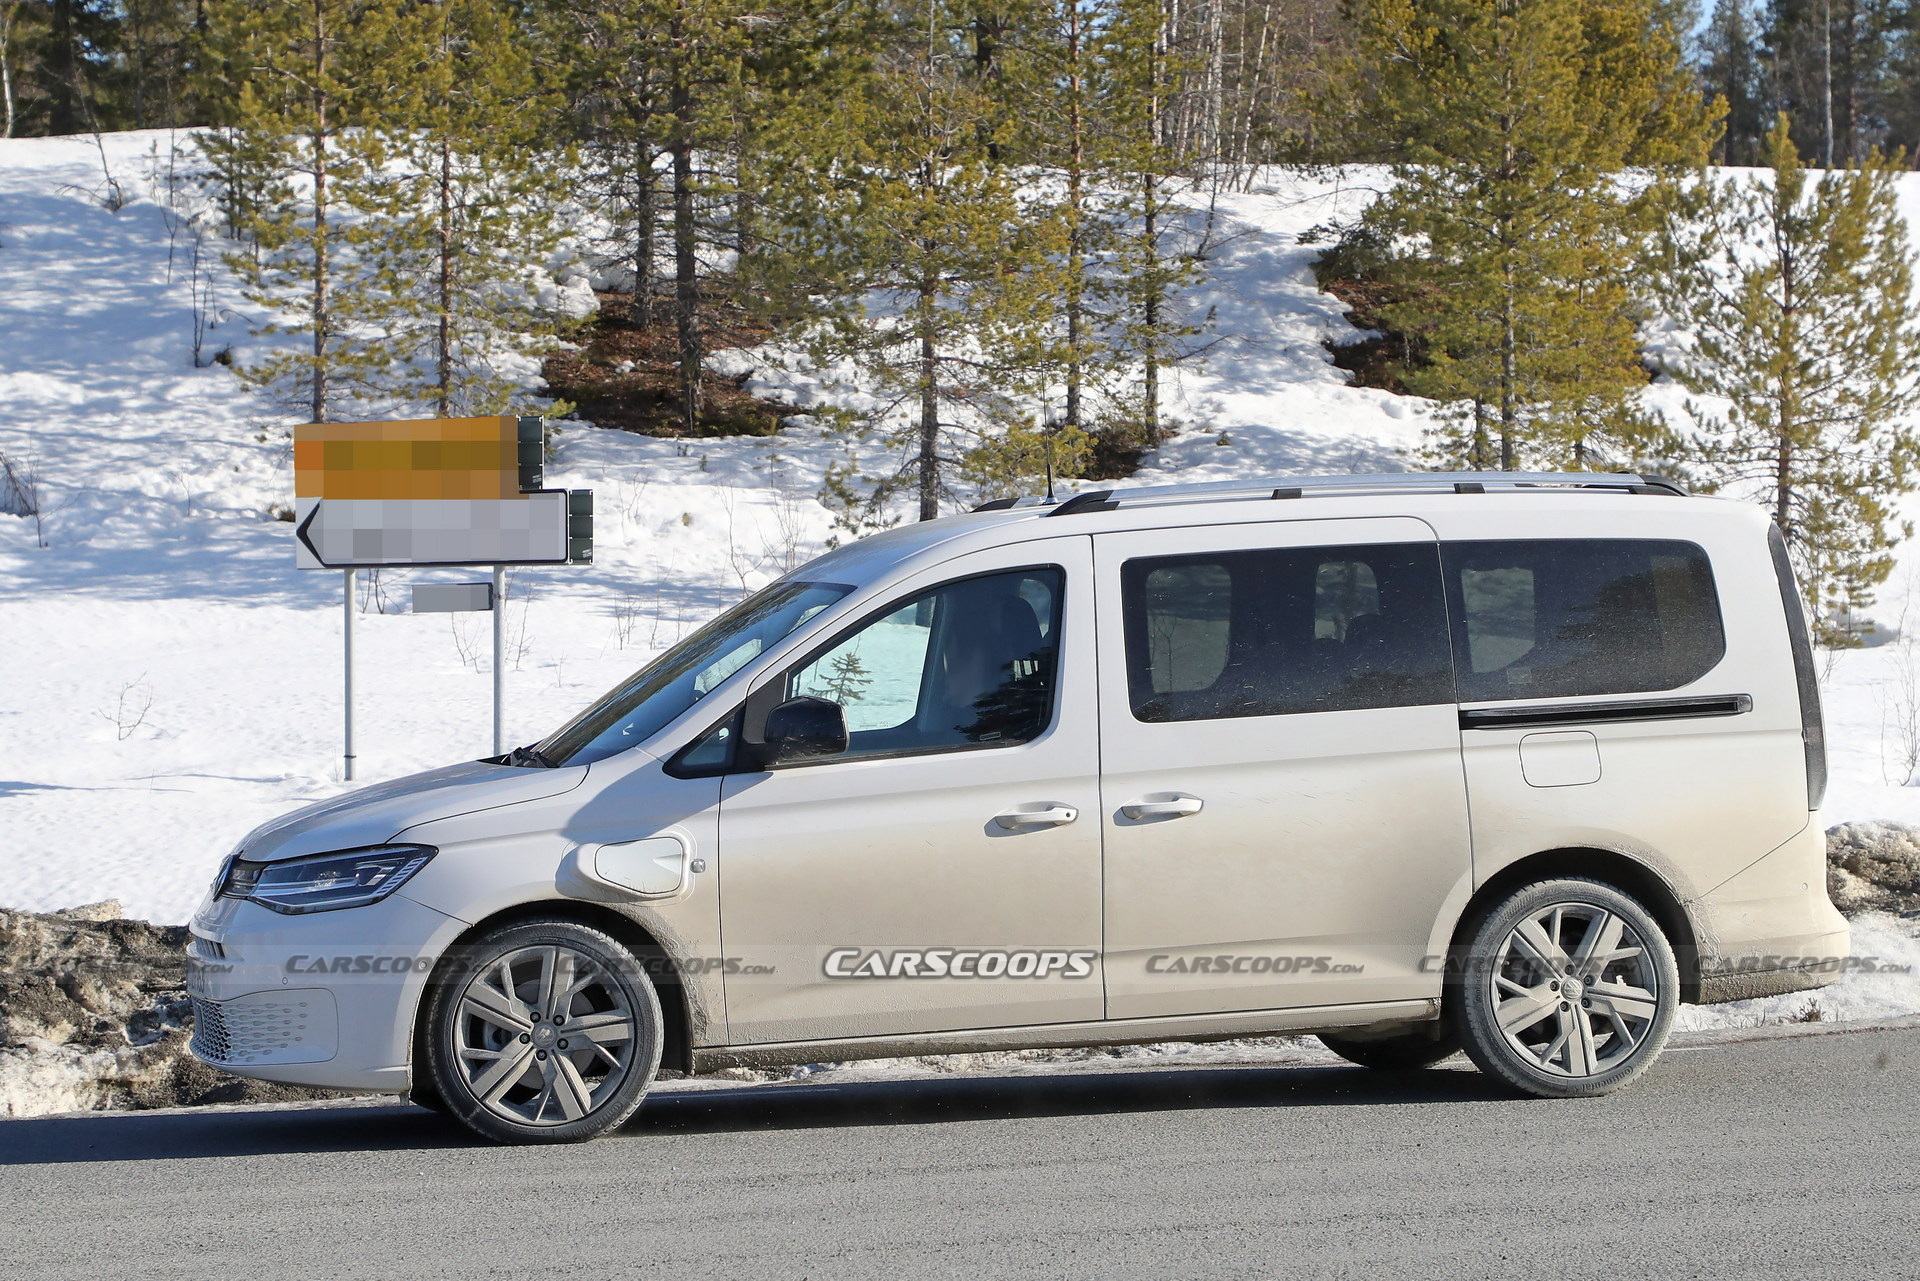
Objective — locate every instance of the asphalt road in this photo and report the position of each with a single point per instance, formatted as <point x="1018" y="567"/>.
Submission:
<point x="1792" y="1158"/>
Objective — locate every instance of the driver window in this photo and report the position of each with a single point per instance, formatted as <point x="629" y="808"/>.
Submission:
<point x="970" y="663"/>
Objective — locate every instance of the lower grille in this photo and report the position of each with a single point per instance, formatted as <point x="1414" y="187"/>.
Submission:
<point x="251" y="1031"/>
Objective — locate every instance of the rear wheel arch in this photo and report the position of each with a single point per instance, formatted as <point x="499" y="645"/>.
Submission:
<point x="1626" y="874"/>
<point x="676" y="1049"/>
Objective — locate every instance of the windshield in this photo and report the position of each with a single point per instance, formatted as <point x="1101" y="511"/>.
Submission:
<point x="642" y="705"/>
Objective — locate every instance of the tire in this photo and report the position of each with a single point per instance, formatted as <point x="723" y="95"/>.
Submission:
<point x="1540" y="1014"/>
<point x="516" y="1073"/>
<point x="1405" y="1052"/>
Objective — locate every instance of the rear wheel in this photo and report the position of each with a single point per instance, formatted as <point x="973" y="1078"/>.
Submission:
<point x="1567" y="989"/>
<point x="544" y="1032"/>
<point x="1403" y="1052"/>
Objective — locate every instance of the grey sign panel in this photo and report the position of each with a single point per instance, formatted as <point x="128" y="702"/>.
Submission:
<point x="345" y="533"/>
<point x="451" y="598"/>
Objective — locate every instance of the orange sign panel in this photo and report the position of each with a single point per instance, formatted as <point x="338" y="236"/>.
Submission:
<point x="431" y="458"/>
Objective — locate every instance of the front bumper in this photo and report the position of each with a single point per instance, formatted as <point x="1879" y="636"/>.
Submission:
<point x="325" y="1000"/>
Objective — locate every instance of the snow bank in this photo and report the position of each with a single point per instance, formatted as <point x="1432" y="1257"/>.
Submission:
<point x="93" y="1015"/>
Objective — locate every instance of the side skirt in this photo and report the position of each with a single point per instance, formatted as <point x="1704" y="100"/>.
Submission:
<point x="1195" y="1027"/>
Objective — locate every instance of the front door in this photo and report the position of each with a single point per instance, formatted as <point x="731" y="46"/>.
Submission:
<point x="944" y="872"/>
<point x="1281" y="787"/>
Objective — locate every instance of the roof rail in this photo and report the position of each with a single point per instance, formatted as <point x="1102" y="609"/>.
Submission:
<point x="1287" y="487"/>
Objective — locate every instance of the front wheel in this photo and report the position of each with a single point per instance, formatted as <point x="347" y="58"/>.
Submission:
<point x="543" y="1032"/>
<point x="1567" y="989"/>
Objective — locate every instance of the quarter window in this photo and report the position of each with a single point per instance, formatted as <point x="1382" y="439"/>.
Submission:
<point x="1276" y="632"/>
<point x="1564" y="618"/>
<point x="968" y="664"/>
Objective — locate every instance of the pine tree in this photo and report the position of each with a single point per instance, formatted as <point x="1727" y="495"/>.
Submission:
<point x="1731" y="70"/>
<point x="1150" y="257"/>
<point x="1824" y="62"/>
<point x="1509" y="231"/>
<point x="1798" y="293"/>
<point x="936" y="262"/>
<point x="599" y="55"/>
<point x="467" y="202"/>
<point x="299" y="140"/>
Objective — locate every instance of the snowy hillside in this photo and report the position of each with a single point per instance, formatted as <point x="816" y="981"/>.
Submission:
<point x="168" y="679"/>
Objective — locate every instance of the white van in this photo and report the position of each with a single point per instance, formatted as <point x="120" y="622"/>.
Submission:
<point x="1508" y="763"/>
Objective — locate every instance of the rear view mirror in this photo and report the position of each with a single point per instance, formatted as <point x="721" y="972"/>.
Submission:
<point x="802" y="729"/>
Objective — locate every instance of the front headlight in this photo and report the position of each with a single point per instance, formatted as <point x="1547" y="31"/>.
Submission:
<point x="325" y="882"/>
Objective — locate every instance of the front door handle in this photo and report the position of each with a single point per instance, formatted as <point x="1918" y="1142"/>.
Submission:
<point x="1176" y="806"/>
<point x="1047" y="816"/>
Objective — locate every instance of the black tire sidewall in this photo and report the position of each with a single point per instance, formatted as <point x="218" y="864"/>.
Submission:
<point x="442" y="1009"/>
<point x="1471" y="1002"/>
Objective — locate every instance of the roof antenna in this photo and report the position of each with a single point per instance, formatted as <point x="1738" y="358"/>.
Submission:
<point x="1046" y="434"/>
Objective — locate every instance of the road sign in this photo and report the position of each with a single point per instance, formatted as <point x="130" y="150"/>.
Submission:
<point x="445" y="491"/>
<point x="438" y="491"/>
<point x="452" y="598"/>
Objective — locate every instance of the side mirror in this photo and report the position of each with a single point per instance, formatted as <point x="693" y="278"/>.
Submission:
<point x="801" y="729"/>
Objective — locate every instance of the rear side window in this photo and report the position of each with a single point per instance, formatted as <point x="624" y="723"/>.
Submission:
<point x="1283" y="631"/>
<point x="1564" y="618"/>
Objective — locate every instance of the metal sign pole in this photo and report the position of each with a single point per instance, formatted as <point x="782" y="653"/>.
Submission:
<point x="346" y="638"/>
<point x="499" y="651"/>
<point x="508" y="517"/>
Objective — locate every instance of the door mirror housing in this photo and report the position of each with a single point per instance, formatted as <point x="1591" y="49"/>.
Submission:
<point x="801" y="729"/>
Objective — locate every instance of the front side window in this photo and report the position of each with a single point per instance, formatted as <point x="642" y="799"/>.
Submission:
<point x="1275" y="632"/>
<point x="1567" y="617"/>
<point x="968" y="664"/>
<point x="688" y="672"/>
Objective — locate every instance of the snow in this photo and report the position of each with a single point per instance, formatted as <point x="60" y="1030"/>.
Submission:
<point x="168" y="680"/>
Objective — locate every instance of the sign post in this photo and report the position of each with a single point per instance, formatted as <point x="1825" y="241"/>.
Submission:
<point x="499" y="656"/>
<point x="433" y="493"/>
<point x="346" y="663"/>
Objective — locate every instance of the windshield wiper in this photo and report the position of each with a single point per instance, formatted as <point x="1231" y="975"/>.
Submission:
<point x="526" y="758"/>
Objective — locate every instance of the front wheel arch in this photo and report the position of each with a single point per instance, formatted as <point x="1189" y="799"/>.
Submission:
<point x="676" y="1051"/>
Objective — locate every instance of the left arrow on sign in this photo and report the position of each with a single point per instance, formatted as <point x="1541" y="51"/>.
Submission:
<point x="346" y="533"/>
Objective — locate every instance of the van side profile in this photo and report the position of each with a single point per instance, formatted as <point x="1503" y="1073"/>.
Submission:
<point x="1506" y="763"/>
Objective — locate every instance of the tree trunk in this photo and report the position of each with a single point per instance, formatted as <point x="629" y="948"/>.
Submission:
<point x="686" y="258"/>
<point x="929" y="460"/>
<point x="1509" y="375"/>
<point x="686" y="285"/>
<point x="322" y="267"/>
<point x="63" y="91"/>
<point x="6" y="64"/>
<point x="443" y="337"/>
<point x="1789" y="402"/>
<point x="986" y="70"/>
<point x="645" y="189"/>
<point x="1150" y="239"/>
<point x="1076" y="218"/>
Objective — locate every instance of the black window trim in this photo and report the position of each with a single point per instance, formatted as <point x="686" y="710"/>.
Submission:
<point x="771" y="691"/>
<point x="1615" y="711"/>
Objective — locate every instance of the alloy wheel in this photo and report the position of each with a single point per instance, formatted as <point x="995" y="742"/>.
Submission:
<point x="1575" y="991"/>
<point x="543" y="1035"/>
